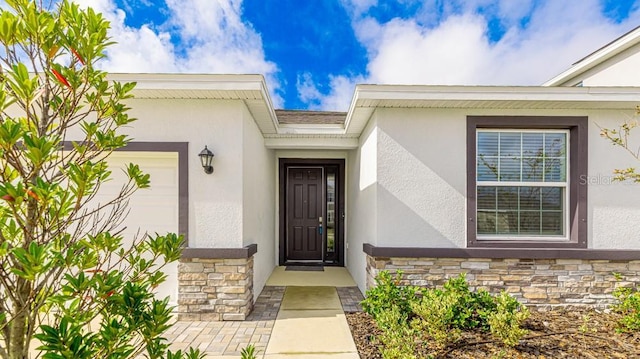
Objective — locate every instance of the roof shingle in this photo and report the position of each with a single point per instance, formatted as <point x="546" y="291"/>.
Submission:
<point x="300" y="117"/>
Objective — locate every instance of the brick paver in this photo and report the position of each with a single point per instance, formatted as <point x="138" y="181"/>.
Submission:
<point x="228" y="338"/>
<point x="216" y="338"/>
<point x="350" y="297"/>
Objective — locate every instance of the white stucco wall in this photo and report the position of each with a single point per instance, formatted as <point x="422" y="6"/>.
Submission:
<point x="420" y="181"/>
<point x="258" y="210"/>
<point x="619" y="71"/>
<point x="421" y="192"/>
<point x="614" y="207"/>
<point x="362" y="205"/>
<point x="215" y="200"/>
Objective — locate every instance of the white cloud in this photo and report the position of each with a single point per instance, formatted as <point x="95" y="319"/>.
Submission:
<point x="408" y="54"/>
<point x="337" y="99"/>
<point x="213" y="39"/>
<point x="447" y="43"/>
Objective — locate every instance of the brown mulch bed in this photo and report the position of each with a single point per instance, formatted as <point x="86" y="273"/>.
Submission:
<point x="552" y="334"/>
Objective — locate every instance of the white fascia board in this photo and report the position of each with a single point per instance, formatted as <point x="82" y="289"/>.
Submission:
<point x="595" y="59"/>
<point x="315" y="129"/>
<point x="311" y="143"/>
<point x="496" y="93"/>
<point x="192" y="82"/>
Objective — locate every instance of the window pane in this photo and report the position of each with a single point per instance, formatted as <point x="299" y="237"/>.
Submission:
<point x="510" y="144"/>
<point x="530" y="222"/>
<point x="331" y="214"/>
<point x="555" y="170"/>
<point x="487" y="144"/>
<point x="532" y="144"/>
<point x="552" y="223"/>
<point x="487" y="168"/>
<point x="509" y="169"/>
<point x="552" y="198"/>
<point x="486" y="222"/>
<point x="530" y="198"/>
<point x="532" y="169"/>
<point x="555" y="144"/>
<point x="486" y="198"/>
<point x="507" y="222"/>
<point x="507" y="198"/>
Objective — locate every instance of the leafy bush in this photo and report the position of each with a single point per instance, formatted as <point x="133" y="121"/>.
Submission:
<point x="471" y="308"/>
<point x="388" y="294"/>
<point x="440" y="315"/>
<point x="398" y="338"/>
<point x="437" y="312"/>
<point x="505" y="320"/>
<point x="629" y="306"/>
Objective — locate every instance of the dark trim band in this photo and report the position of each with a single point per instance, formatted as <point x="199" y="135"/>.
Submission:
<point x="220" y="253"/>
<point x="502" y="253"/>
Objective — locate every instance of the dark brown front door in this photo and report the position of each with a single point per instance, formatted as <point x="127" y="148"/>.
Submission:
<point x="304" y="213"/>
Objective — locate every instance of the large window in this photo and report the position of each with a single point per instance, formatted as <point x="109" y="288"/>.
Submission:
<point x="524" y="189"/>
<point x="521" y="183"/>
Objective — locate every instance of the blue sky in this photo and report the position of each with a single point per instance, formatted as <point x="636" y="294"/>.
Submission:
<point x="312" y="53"/>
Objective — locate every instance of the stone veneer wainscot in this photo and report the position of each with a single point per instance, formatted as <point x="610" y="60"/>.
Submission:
<point x="215" y="284"/>
<point x="539" y="282"/>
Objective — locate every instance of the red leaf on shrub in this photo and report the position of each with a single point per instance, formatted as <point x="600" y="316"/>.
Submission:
<point x="77" y="56"/>
<point x="61" y="78"/>
<point x="33" y="195"/>
<point x="8" y="197"/>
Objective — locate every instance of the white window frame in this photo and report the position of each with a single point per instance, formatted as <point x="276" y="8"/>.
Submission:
<point x="565" y="184"/>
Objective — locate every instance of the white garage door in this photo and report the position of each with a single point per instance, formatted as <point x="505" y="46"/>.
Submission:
<point x="152" y="210"/>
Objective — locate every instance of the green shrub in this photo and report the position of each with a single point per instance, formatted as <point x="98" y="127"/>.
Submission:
<point x="388" y="294"/>
<point x="398" y="338"/>
<point x="506" y="320"/>
<point x="629" y="306"/>
<point x="471" y="307"/>
<point x="440" y="315"/>
<point x="437" y="312"/>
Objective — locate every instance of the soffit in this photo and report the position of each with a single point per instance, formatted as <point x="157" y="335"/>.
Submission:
<point x="251" y="89"/>
<point x="367" y="98"/>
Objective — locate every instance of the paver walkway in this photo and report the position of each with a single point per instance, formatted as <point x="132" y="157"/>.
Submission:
<point x="226" y="339"/>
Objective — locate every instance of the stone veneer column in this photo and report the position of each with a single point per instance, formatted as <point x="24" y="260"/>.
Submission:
<point x="215" y="284"/>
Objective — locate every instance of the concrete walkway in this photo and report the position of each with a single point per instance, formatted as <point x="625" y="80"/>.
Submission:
<point x="293" y="309"/>
<point x="311" y="324"/>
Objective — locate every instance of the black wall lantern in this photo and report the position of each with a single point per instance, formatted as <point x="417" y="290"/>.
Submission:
<point x="206" y="157"/>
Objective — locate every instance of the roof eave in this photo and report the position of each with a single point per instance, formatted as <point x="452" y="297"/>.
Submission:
<point x="571" y="75"/>
<point x="367" y="98"/>
<point x="251" y="89"/>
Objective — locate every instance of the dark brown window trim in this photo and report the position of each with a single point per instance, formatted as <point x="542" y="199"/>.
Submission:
<point x="502" y="253"/>
<point x="578" y="161"/>
<point x="220" y="253"/>
<point x="182" y="148"/>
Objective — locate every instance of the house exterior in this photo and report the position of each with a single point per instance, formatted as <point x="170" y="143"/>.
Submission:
<point x="511" y="185"/>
